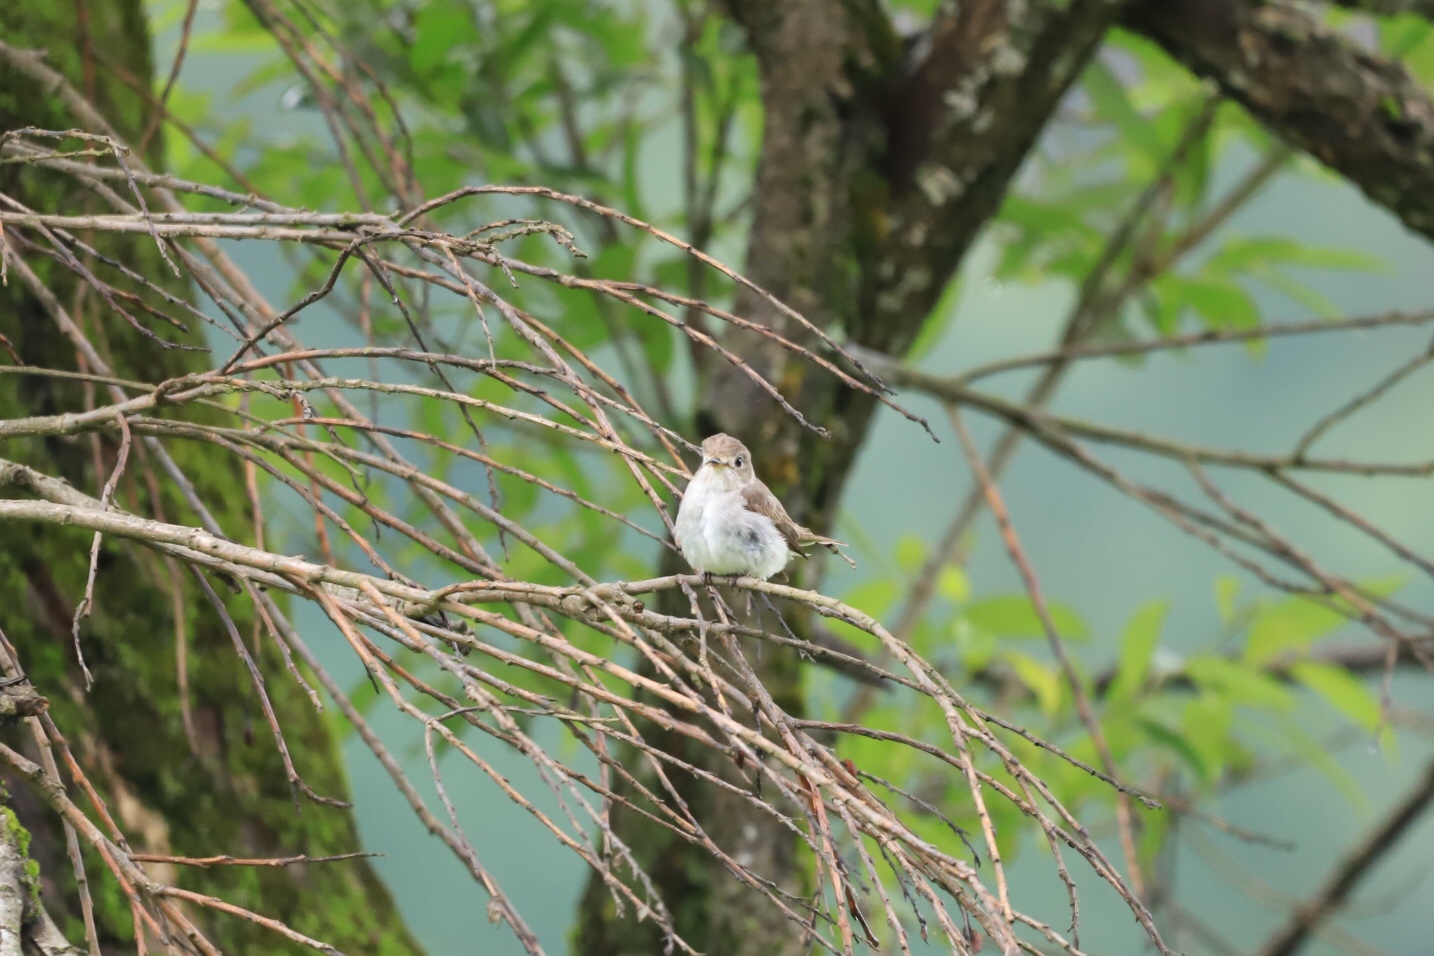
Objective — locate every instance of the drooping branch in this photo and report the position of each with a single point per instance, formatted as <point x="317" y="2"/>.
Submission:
<point x="355" y="598"/>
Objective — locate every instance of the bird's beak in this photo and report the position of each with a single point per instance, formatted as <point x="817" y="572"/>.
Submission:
<point x="714" y="461"/>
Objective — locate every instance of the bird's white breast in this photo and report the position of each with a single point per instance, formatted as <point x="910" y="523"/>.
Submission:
<point x="718" y="535"/>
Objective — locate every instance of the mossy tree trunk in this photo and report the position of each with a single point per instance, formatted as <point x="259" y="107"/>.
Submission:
<point x="221" y="788"/>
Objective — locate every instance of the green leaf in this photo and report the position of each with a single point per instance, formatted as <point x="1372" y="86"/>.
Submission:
<point x="1013" y="615"/>
<point x="615" y="261"/>
<point x="1288" y="625"/>
<point x="519" y="496"/>
<point x="873" y="597"/>
<point x="441" y="31"/>
<point x="1317" y="302"/>
<point x="1226" y="590"/>
<point x="1137" y="648"/>
<point x="1220" y="303"/>
<point x="1112" y="102"/>
<point x="1382" y="587"/>
<point x="1343" y="690"/>
<point x="1162" y="81"/>
<point x="910" y="552"/>
<point x="659" y="341"/>
<point x="1205" y="728"/>
<point x="1244" y="253"/>
<point x="1175" y="741"/>
<point x="1417" y="52"/>
<point x="1043" y="681"/>
<point x="977" y="646"/>
<point x="1160" y="309"/>
<point x="1192" y="177"/>
<point x="953" y="584"/>
<point x="1239" y="683"/>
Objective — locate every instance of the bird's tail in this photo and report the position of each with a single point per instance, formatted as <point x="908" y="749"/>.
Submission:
<point x="831" y="544"/>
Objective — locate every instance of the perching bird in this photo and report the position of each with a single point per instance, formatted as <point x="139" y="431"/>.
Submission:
<point x="730" y="523"/>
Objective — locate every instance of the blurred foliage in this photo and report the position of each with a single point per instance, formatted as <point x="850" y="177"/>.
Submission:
<point x="1195" y="723"/>
<point x="653" y="108"/>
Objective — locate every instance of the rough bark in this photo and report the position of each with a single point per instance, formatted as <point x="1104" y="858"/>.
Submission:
<point x="1363" y="116"/>
<point x="881" y="159"/>
<point x="1390" y="8"/>
<point x="25" y="925"/>
<point x="224" y="790"/>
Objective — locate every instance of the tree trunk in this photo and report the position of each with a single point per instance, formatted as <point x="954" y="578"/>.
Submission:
<point x="192" y="774"/>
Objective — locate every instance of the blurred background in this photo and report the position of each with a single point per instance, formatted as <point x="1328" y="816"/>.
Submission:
<point x="1310" y="774"/>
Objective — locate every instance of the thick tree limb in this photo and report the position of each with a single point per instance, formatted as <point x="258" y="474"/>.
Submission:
<point x="25" y="926"/>
<point x="13" y="889"/>
<point x="986" y="77"/>
<point x="1355" y="866"/>
<point x="880" y="166"/>
<point x="1363" y="116"/>
<point x="18" y="701"/>
<point x="1390" y="8"/>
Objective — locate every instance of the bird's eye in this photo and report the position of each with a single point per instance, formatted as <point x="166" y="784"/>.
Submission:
<point x="738" y="461"/>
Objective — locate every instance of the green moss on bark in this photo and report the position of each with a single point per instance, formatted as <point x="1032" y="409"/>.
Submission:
<point x="226" y="792"/>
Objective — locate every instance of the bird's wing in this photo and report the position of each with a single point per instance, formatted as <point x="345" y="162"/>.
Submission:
<point x="758" y="498"/>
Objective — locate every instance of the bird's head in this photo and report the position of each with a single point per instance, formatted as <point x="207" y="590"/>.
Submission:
<point x="728" y="460"/>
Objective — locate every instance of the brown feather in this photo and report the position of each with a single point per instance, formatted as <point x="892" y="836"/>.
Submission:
<point x="758" y="499"/>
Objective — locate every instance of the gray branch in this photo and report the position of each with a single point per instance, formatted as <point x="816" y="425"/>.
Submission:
<point x="1363" y="116"/>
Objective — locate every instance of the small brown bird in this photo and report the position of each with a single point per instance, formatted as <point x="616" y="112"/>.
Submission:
<point x="730" y="523"/>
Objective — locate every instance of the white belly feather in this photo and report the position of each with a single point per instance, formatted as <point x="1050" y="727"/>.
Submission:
<point x="718" y="535"/>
